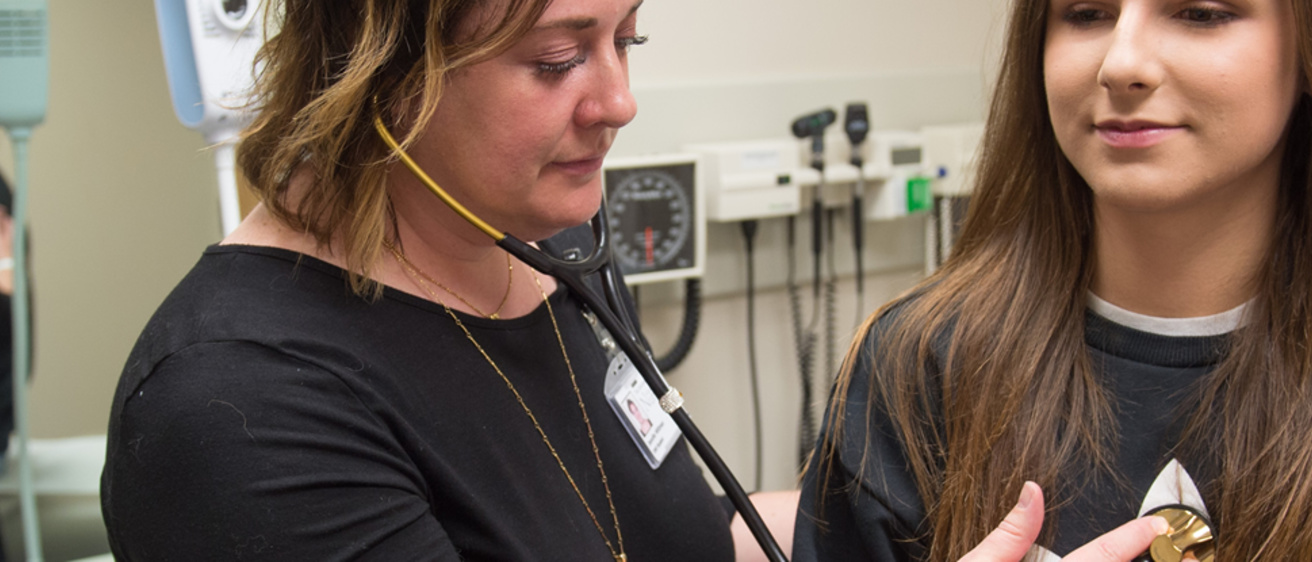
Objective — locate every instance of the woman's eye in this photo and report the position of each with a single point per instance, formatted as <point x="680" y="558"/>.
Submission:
<point x="1084" y="17"/>
<point x="624" y="43"/>
<point x="1206" y="17"/>
<point x="554" y="69"/>
<point x="560" y="68"/>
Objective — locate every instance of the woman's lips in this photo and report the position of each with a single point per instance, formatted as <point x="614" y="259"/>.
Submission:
<point x="1135" y="135"/>
<point x="580" y="167"/>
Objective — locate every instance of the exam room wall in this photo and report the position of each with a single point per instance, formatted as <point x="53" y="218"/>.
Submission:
<point x="121" y="203"/>
<point x="123" y="197"/>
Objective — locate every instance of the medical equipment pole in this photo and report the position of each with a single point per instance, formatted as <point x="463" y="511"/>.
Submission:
<point x="25" y="66"/>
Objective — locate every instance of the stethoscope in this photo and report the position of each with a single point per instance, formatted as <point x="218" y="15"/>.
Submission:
<point x="609" y="309"/>
<point x="1189" y="533"/>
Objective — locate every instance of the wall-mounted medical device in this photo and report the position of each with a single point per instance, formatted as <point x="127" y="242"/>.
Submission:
<point x="657" y="221"/>
<point x="24" y="57"/>
<point x="753" y="179"/>
<point x="951" y="150"/>
<point x="898" y="158"/>
<point x="209" y="52"/>
<point x="893" y="164"/>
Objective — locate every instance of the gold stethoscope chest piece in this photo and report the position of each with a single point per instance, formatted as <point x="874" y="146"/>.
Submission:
<point x="1190" y="534"/>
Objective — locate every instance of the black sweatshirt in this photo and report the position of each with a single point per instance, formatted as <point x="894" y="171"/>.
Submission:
<point x="882" y="518"/>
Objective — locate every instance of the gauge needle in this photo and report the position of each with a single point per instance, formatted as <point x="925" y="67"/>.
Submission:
<point x="651" y="257"/>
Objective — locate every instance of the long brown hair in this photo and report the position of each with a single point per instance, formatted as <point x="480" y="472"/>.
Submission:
<point x="1019" y="398"/>
<point x="330" y="67"/>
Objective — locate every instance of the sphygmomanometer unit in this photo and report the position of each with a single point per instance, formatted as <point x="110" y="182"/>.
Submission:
<point x="657" y="218"/>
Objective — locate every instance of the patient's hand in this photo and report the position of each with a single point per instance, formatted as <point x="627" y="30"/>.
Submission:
<point x="1012" y="540"/>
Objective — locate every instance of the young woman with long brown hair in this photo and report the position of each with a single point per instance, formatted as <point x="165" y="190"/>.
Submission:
<point x="1126" y="319"/>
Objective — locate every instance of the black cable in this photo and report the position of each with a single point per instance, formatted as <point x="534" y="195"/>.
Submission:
<point x="831" y="303"/>
<point x="858" y="240"/>
<point x="817" y="232"/>
<point x="818" y="297"/>
<point x="856" y="123"/>
<point x="692" y="307"/>
<point x="572" y="274"/>
<point x="635" y="292"/>
<point x="804" y="338"/>
<point x="749" y="236"/>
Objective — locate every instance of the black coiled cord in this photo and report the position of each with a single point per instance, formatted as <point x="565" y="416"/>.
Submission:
<point x="692" y="314"/>
<point x="831" y="305"/>
<point x="805" y="340"/>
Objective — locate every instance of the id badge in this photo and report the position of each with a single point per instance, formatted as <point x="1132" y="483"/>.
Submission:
<point x="652" y="430"/>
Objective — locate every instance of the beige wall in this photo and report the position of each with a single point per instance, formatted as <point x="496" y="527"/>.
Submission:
<point x="122" y="196"/>
<point x="122" y="201"/>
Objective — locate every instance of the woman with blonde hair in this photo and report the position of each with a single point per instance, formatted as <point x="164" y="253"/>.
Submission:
<point x="1126" y="319"/>
<point x="357" y="373"/>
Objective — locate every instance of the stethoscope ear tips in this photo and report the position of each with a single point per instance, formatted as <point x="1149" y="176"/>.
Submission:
<point x="1190" y="534"/>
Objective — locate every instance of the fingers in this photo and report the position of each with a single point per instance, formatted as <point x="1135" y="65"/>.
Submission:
<point x="1012" y="540"/>
<point x="1121" y="544"/>
<point x="1014" y="536"/>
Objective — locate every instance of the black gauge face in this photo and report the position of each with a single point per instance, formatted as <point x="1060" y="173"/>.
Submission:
<point x="651" y="217"/>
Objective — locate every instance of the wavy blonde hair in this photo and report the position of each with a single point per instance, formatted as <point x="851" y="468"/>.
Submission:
<point x="1020" y="398"/>
<point x="330" y="67"/>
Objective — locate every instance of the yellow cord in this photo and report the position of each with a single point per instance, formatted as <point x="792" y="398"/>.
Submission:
<point x="432" y="185"/>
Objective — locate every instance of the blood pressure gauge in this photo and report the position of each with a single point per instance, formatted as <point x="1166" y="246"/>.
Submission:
<point x="656" y="221"/>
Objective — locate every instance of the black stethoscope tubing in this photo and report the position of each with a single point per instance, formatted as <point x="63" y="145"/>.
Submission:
<point x="610" y="311"/>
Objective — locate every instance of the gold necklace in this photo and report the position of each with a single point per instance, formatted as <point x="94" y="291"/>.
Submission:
<point x="418" y="277"/>
<point x="413" y="271"/>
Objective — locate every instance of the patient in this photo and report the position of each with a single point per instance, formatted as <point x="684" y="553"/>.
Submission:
<point x="1126" y="320"/>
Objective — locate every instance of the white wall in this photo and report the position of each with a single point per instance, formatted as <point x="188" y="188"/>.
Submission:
<point x="696" y="41"/>
<point x="123" y="197"/>
<point x="743" y="69"/>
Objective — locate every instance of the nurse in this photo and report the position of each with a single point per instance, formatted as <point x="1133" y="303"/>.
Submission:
<point x="356" y="373"/>
<point x="1126" y="320"/>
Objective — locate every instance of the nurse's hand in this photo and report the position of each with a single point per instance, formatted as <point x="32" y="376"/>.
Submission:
<point x="1017" y="532"/>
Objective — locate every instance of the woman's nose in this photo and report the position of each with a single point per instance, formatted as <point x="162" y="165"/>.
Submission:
<point x="608" y="100"/>
<point x="1131" y="64"/>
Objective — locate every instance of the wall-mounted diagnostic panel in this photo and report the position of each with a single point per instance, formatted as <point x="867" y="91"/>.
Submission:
<point x="899" y="158"/>
<point x="657" y="224"/>
<point x="753" y="179"/>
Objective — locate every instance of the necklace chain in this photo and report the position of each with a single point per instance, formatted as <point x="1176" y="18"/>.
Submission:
<point x="419" y="278"/>
<point x="414" y="271"/>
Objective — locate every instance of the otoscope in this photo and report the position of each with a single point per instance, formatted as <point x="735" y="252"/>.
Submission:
<point x="857" y="125"/>
<point x="813" y="126"/>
